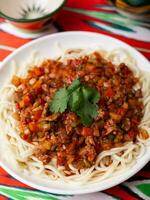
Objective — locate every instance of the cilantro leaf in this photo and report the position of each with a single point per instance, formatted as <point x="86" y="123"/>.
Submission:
<point x="75" y="85"/>
<point x="78" y="98"/>
<point x="88" y="110"/>
<point x="60" y="101"/>
<point x="91" y="94"/>
<point x="86" y="113"/>
<point x="75" y="100"/>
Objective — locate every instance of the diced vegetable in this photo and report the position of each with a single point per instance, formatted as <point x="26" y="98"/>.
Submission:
<point x="87" y="131"/>
<point x="33" y="126"/>
<point x="115" y="116"/>
<point x="109" y="93"/>
<point x="16" y="80"/>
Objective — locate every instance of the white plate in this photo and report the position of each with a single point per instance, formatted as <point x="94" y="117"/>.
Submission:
<point x="46" y="47"/>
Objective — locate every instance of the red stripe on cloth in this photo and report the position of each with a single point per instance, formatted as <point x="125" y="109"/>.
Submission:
<point x="3" y="172"/>
<point x="143" y="174"/>
<point x="12" y="182"/>
<point x="4" y="54"/>
<point x="12" y="41"/>
<point x="76" y="21"/>
<point x="88" y="4"/>
<point x="1" y="20"/>
<point x="120" y="193"/>
<point x="146" y="54"/>
<point x="3" y="198"/>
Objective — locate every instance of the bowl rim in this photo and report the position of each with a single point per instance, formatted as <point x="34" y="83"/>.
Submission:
<point x="35" y="19"/>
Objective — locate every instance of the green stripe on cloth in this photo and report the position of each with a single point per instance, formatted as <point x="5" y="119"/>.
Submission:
<point x="144" y="188"/>
<point x="140" y="188"/>
<point x="24" y="194"/>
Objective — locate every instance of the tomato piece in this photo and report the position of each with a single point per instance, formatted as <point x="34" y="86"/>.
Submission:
<point x="37" y="114"/>
<point x="33" y="126"/>
<point x="38" y="71"/>
<point x="21" y="104"/>
<point x="90" y="67"/>
<point x="24" y="102"/>
<point x="37" y="84"/>
<point x="25" y="136"/>
<point x="131" y="134"/>
<point x="87" y="131"/>
<point x="121" y="111"/>
<point x="109" y="93"/>
<point x="27" y="100"/>
<point x="17" y="106"/>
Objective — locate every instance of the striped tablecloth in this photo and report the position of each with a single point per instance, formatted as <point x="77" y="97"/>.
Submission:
<point x="88" y="15"/>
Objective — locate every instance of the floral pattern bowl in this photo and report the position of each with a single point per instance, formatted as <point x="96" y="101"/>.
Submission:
<point x="30" y="14"/>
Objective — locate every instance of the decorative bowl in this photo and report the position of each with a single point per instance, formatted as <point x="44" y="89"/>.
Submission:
<point x="135" y="9"/>
<point x="30" y="14"/>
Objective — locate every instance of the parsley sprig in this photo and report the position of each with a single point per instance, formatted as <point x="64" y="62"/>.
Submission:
<point x="78" y="98"/>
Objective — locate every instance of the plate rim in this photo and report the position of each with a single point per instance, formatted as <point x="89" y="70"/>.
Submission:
<point x="78" y="190"/>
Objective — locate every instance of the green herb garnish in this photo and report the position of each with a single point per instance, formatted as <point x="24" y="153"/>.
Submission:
<point x="59" y="103"/>
<point x="78" y="98"/>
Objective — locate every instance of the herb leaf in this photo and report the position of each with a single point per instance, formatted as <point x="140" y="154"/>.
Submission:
<point x="88" y="108"/>
<point x="86" y="113"/>
<point x="75" y="84"/>
<point x="91" y="94"/>
<point x="78" y="98"/>
<point x="75" y="100"/>
<point x="60" y="101"/>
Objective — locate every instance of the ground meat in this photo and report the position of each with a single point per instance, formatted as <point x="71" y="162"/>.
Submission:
<point x="62" y="135"/>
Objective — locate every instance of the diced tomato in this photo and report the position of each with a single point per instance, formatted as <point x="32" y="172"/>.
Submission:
<point x="37" y="84"/>
<point x="17" y="106"/>
<point x="131" y="134"/>
<point x="38" y="71"/>
<point x="37" y="114"/>
<point x="26" y="100"/>
<point x="33" y="126"/>
<point x="109" y="93"/>
<point x="121" y="111"/>
<point x="90" y="67"/>
<point x="87" y="131"/>
<point x="37" y="87"/>
<point x="21" y="104"/>
<point x="25" y="136"/>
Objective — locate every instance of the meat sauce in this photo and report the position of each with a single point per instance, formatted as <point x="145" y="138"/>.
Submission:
<point x="61" y="135"/>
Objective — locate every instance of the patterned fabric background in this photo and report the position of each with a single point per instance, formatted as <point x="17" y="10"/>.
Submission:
<point x="97" y="16"/>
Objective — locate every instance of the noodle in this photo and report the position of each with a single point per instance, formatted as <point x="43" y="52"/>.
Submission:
<point x="109" y="163"/>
